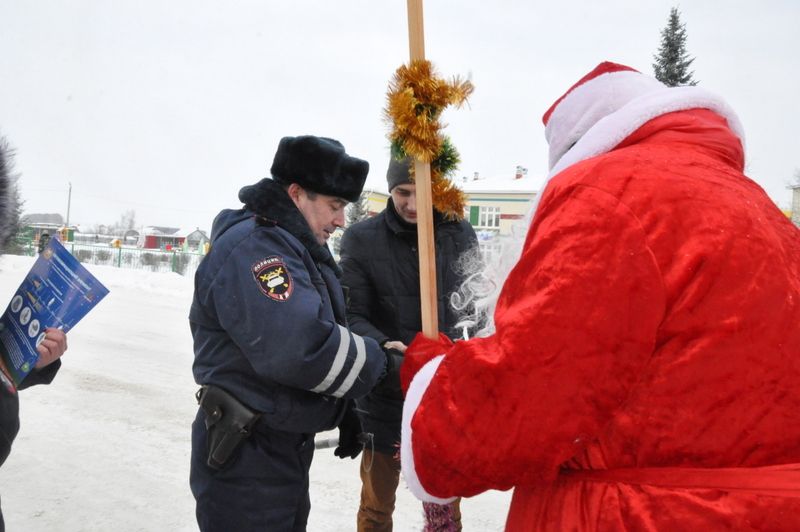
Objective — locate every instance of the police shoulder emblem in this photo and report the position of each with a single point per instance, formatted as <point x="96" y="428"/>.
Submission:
<point x="273" y="278"/>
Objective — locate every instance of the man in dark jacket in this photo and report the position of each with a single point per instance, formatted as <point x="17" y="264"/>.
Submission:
<point x="380" y="265"/>
<point x="50" y="350"/>
<point x="272" y="351"/>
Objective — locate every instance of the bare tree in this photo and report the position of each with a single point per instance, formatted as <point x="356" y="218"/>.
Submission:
<point x="127" y="221"/>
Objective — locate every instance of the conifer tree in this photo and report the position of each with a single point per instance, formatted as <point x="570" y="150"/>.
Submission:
<point x="673" y="61"/>
<point x="357" y="210"/>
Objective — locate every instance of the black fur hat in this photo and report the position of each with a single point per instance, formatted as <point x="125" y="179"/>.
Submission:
<point x="398" y="172"/>
<point x="321" y="165"/>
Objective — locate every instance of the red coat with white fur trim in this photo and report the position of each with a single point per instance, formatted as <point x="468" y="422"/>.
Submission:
<point x="646" y="356"/>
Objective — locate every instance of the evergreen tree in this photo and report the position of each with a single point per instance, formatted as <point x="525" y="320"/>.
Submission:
<point x="673" y="61"/>
<point x="11" y="240"/>
<point x="358" y="210"/>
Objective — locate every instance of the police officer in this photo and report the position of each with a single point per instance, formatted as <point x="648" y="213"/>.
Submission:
<point x="273" y="355"/>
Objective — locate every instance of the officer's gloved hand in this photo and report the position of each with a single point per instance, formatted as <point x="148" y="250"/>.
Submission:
<point x="349" y="430"/>
<point x="390" y="382"/>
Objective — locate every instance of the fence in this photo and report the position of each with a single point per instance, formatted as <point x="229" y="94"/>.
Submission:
<point x="155" y="260"/>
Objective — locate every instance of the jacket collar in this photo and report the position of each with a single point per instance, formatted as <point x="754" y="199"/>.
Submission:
<point x="400" y="227"/>
<point x="268" y="200"/>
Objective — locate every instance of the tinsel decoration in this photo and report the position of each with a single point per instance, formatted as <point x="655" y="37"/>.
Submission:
<point x="415" y="102"/>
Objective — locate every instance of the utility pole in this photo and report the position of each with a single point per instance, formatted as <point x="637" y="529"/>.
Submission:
<point x="69" y="201"/>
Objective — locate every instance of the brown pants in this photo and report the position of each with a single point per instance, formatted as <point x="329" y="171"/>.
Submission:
<point x="380" y="475"/>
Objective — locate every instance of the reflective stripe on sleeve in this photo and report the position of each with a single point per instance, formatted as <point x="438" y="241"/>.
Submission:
<point x="338" y="362"/>
<point x="361" y="358"/>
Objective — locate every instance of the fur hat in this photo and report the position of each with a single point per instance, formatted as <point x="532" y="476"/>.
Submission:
<point x="320" y="165"/>
<point x="398" y="172"/>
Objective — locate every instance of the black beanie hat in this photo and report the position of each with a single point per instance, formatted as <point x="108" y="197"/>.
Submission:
<point x="320" y="165"/>
<point x="398" y="172"/>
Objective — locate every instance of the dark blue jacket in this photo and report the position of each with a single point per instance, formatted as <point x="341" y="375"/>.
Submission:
<point x="268" y="318"/>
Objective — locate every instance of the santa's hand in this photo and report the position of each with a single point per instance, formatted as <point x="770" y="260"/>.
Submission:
<point x="419" y="353"/>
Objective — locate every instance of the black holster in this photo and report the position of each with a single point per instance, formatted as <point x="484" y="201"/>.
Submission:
<point x="228" y="423"/>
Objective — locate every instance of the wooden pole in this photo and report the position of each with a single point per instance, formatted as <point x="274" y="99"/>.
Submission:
<point x="422" y="180"/>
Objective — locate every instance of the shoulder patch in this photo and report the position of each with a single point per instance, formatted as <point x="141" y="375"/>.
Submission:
<point x="273" y="278"/>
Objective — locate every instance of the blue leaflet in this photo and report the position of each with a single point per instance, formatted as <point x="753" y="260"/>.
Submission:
<point x="57" y="292"/>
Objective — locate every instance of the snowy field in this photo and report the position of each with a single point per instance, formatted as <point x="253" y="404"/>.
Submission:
<point x="106" y="446"/>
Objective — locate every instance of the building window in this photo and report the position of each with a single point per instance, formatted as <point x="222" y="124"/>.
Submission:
<point x="489" y="217"/>
<point x="490" y="250"/>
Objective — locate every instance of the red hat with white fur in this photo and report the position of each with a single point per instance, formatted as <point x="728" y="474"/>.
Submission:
<point x="608" y="104"/>
<point x="599" y="93"/>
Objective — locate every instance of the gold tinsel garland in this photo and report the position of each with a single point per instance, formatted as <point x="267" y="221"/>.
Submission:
<point x="415" y="101"/>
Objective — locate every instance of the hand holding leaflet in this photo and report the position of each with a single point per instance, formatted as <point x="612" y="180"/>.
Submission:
<point x="57" y="292"/>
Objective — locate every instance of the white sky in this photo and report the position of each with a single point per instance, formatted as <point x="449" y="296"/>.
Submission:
<point x="168" y="108"/>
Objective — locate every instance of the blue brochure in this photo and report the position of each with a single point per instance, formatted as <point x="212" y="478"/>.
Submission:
<point x="57" y="292"/>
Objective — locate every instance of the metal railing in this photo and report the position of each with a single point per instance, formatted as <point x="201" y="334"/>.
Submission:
<point x="155" y="260"/>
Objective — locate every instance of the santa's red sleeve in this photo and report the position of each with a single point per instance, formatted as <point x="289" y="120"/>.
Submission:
<point x="575" y="326"/>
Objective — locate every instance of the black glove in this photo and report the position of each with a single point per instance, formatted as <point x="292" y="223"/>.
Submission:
<point x="349" y="430"/>
<point x="390" y="382"/>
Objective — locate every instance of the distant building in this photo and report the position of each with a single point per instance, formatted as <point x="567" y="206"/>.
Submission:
<point x="130" y="237"/>
<point x="496" y="205"/>
<point x="796" y="204"/>
<point x="34" y="225"/>
<point x="196" y="240"/>
<point x="376" y="201"/>
<point x="160" y="237"/>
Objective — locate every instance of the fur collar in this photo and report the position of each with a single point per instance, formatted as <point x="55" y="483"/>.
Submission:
<point x="269" y="201"/>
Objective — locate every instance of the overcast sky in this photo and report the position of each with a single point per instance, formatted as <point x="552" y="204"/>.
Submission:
<point x="169" y="107"/>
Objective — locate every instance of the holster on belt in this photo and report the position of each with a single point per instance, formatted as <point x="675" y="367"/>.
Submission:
<point x="228" y="423"/>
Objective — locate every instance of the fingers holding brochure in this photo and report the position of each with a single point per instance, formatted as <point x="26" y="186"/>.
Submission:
<point x="52" y="347"/>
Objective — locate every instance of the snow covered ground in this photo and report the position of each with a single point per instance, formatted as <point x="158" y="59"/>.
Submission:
<point x="106" y="446"/>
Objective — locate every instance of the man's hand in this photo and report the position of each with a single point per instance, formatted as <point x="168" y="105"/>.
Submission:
<point x="52" y="347"/>
<point x="349" y="430"/>
<point x="395" y="344"/>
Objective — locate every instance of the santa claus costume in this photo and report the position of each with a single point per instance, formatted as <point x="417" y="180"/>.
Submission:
<point x="644" y="373"/>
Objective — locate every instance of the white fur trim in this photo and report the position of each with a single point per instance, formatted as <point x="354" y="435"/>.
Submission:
<point x="615" y="127"/>
<point x="612" y="129"/>
<point x="419" y="384"/>
<point x="586" y="104"/>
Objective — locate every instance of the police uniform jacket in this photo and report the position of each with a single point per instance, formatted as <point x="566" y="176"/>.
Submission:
<point x="268" y="318"/>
